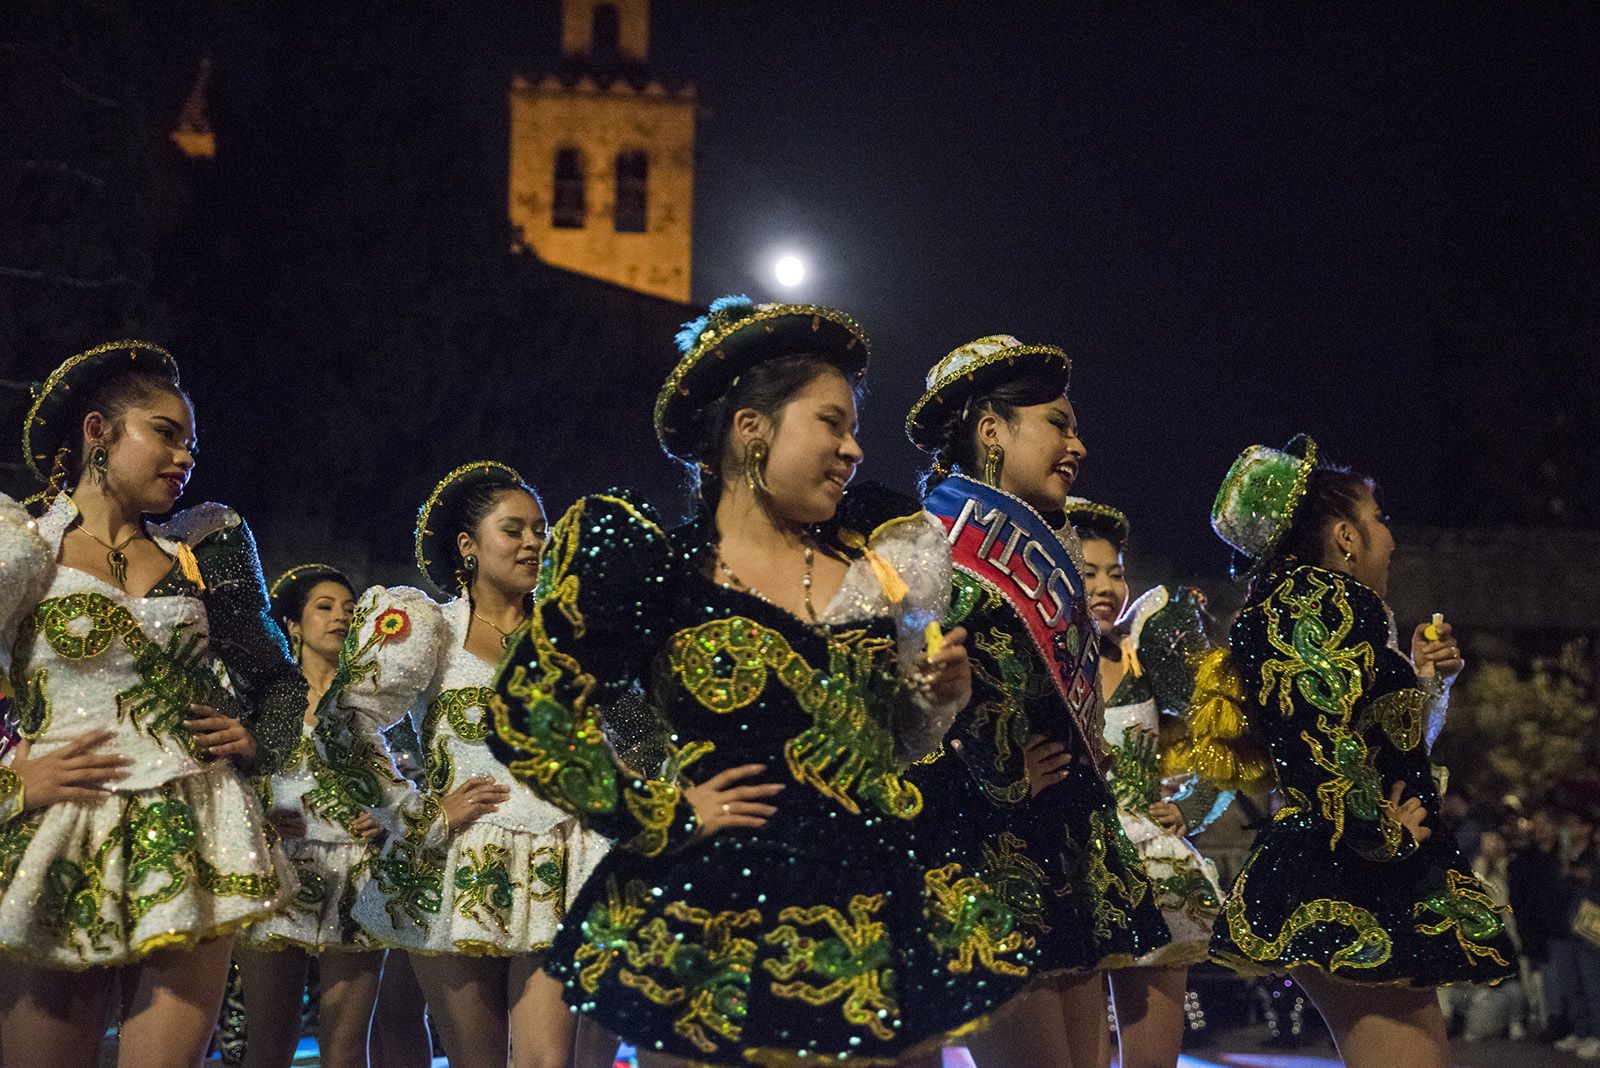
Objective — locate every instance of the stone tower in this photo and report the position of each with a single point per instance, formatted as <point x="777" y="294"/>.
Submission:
<point x="602" y="155"/>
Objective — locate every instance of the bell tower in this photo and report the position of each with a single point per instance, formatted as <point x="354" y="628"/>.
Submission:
<point x="602" y="154"/>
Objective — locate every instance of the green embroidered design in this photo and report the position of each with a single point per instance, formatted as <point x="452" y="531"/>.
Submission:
<point x="1187" y="890"/>
<point x="547" y="876"/>
<point x="1017" y="878"/>
<point x="1369" y="948"/>
<point x="965" y="594"/>
<point x="702" y="966"/>
<point x="311" y="888"/>
<point x="972" y="923"/>
<point x="484" y="886"/>
<point x="1318" y="666"/>
<point x="1402" y="715"/>
<point x="1129" y="883"/>
<point x="854" y="964"/>
<point x="452" y="708"/>
<point x="1465" y="908"/>
<point x="412" y="882"/>
<point x="1136" y="775"/>
<point x="725" y="665"/>
<point x="15" y="837"/>
<point x="75" y="899"/>
<point x="1002" y="719"/>
<point x="161" y="840"/>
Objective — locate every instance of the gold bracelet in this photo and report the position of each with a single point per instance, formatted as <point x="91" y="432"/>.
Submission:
<point x="10" y="795"/>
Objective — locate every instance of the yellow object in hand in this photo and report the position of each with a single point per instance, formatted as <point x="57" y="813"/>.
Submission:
<point x="1431" y="631"/>
<point x="935" y="638"/>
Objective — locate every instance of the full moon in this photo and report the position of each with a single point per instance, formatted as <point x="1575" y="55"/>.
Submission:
<point x="790" y="271"/>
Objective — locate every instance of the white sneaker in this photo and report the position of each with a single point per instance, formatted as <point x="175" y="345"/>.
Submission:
<point x="1517" y="1032"/>
<point x="1589" y="1050"/>
<point x="1568" y="1044"/>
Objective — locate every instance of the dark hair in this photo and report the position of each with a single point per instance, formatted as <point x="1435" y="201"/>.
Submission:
<point x="766" y="386"/>
<point x="956" y="444"/>
<point x="1090" y="526"/>
<point x="111" y="396"/>
<point x="290" y="603"/>
<point x="474" y="507"/>
<point x="1332" y="493"/>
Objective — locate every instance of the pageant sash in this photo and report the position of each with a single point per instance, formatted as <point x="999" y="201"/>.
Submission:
<point x="1006" y="545"/>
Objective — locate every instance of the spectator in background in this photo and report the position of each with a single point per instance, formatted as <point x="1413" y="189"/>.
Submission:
<point x="1459" y="813"/>
<point x="1538" y="900"/>
<point x="1491" y="1012"/>
<point x="1574" y="976"/>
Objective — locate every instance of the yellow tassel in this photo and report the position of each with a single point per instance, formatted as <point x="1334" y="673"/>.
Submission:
<point x="190" y="566"/>
<point x="894" y="587"/>
<point x="1130" y="655"/>
<point x="1220" y="748"/>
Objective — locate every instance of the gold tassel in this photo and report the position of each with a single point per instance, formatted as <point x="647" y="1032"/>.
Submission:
<point x="1130" y="656"/>
<point x="894" y="587"/>
<point x="1221" y="748"/>
<point x="190" y="566"/>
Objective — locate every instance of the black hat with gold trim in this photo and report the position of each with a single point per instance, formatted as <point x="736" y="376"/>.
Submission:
<point x="1260" y="498"/>
<point x="735" y="335"/>
<point x="969" y="371"/>
<point x="436" y="519"/>
<point x="298" y="581"/>
<point x="45" y="429"/>
<point x="1083" y="512"/>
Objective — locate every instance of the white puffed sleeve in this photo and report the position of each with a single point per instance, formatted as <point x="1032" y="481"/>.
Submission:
<point x="27" y="564"/>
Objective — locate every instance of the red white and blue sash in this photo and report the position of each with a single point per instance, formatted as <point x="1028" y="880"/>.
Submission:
<point x="1003" y="543"/>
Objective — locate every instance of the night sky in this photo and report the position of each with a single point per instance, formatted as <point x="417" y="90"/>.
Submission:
<point x="1375" y="223"/>
<point x="1379" y="224"/>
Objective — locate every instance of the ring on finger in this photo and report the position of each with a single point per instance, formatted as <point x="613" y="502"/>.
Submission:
<point x="725" y="808"/>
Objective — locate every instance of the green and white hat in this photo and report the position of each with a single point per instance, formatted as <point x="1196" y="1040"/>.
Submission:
<point x="1262" y="495"/>
<point x="972" y="369"/>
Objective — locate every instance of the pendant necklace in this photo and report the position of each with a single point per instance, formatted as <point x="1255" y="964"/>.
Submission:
<point x="116" y="559"/>
<point x="805" y="581"/>
<point x="505" y="636"/>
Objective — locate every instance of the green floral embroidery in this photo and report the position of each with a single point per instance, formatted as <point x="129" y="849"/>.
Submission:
<point x="1465" y="908"/>
<point x="1016" y="878"/>
<point x="1187" y="890"/>
<point x="855" y="964"/>
<point x="972" y="923"/>
<point x="1136" y="775"/>
<point x="547" y="876"/>
<point x="1003" y="718"/>
<point x="484" y="887"/>
<point x="161" y="840"/>
<point x="1129" y="884"/>
<point x="75" y="899"/>
<point x="452" y="708"/>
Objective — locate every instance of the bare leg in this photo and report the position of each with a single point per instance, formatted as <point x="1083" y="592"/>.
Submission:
<point x="399" y="1036"/>
<point x="273" y="982"/>
<point x="52" y="1019"/>
<point x="349" y="991"/>
<point x="177" y="994"/>
<point x="541" y="1023"/>
<point x="594" y="1046"/>
<point x="1082" y="999"/>
<point x="1377" y="1027"/>
<point x="467" y="999"/>
<point x="1149" y="1015"/>
<point x="1030" y="1030"/>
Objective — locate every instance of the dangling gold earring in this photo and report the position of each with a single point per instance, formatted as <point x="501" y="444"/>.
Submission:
<point x="1349" y="558"/>
<point x="993" y="457"/>
<point x="98" y="461"/>
<point x="294" y="647"/>
<point x="755" y="466"/>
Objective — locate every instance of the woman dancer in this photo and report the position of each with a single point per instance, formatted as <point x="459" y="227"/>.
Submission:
<point x="1004" y="441"/>
<point x="1148" y="654"/>
<point x="132" y="847"/>
<point x="476" y="872"/>
<point x="762" y="671"/>
<point x="329" y="844"/>
<point x="1355" y="889"/>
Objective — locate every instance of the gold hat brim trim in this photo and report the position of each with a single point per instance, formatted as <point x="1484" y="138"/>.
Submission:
<point x="425" y="513"/>
<point x="327" y="570"/>
<point x="945" y="389"/>
<point x="711" y="344"/>
<point x="1080" y="506"/>
<point x="58" y="381"/>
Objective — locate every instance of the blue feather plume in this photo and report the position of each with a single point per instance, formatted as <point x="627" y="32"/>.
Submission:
<point x="724" y="311"/>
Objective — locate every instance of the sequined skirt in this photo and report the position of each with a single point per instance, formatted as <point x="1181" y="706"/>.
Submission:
<point x="104" y="883"/>
<point x="1068" y="870"/>
<point x="813" y="938"/>
<point x="1423" y="920"/>
<point x="316" y="917"/>
<point x="1185" y="887"/>
<point x="493" y="891"/>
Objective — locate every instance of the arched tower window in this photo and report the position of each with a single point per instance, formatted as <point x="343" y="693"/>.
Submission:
<point x="568" y="207"/>
<point x="606" y="38"/>
<point x="633" y="199"/>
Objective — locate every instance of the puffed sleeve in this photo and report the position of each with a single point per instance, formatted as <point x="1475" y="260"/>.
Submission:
<point x="1331" y="663"/>
<point x="388" y="660"/>
<point x="270" y="686"/>
<point x="26" y="566"/>
<point x="588" y="644"/>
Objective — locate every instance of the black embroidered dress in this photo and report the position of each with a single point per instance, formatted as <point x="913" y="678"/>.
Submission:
<point x="820" y="936"/>
<point x="1335" y="881"/>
